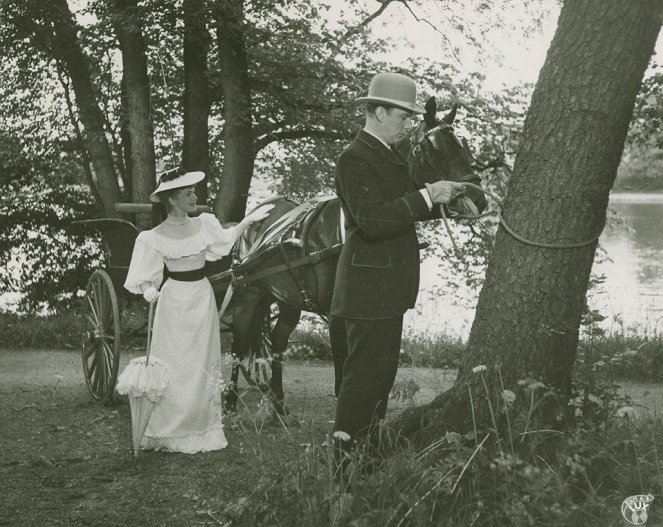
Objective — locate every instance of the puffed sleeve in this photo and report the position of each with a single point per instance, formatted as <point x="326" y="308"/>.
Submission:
<point x="146" y="266"/>
<point x="224" y="238"/>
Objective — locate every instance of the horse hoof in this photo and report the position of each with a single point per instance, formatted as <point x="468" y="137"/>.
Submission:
<point x="230" y="403"/>
<point x="280" y="407"/>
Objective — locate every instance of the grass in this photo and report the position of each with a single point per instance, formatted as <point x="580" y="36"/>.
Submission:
<point x="67" y="460"/>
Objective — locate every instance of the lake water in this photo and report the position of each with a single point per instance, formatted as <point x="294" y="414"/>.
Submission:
<point x="631" y="260"/>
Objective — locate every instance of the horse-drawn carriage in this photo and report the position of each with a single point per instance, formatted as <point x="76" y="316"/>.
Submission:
<point x="281" y="256"/>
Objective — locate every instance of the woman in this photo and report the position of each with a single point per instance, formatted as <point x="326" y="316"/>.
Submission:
<point x="186" y="326"/>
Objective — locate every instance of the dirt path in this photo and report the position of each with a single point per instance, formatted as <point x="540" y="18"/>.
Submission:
<point x="67" y="461"/>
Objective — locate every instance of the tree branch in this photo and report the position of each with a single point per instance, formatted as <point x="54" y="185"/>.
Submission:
<point x="272" y="137"/>
<point x="354" y="30"/>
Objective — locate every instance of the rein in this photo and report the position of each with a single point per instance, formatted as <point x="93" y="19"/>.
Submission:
<point x="416" y="140"/>
<point x="509" y="230"/>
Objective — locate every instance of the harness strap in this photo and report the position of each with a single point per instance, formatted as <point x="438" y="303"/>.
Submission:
<point x="312" y="258"/>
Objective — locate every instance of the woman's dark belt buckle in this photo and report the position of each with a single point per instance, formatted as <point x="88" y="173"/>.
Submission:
<point x="187" y="276"/>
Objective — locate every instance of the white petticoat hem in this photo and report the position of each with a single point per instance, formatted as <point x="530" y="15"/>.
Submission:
<point x="212" y="439"/>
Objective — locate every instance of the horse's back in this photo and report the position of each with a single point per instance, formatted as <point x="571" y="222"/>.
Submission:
<point x="293" y="253"/>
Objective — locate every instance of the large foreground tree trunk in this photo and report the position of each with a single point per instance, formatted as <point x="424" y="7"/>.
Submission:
<point x="529" y="310"/>
<point x="238" y="156"/>
<point x="195" y="155"/>
<point x="67" y="49"/>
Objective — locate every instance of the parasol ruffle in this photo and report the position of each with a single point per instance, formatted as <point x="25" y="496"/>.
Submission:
<point x="140" y="380"/>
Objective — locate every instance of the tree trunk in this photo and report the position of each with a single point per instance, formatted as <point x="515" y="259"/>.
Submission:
<point x="195" y="155"/>
<point x="68" y="49"/>
<point x="141" y="134"/>
<point x="529" y="310"/>
<point x="238" y="157"/>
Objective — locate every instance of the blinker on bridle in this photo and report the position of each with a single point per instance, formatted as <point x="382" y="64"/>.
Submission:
<point x="417" y="138"/>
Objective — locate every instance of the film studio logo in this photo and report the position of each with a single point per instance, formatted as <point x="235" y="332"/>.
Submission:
<point x="634" y="508"/>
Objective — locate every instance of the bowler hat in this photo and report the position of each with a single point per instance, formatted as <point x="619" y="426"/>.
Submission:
<point x="175" y="178"/>
<point x="393" y="89"/>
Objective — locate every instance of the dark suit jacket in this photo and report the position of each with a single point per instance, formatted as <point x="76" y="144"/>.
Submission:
<point x="378" y="270"/>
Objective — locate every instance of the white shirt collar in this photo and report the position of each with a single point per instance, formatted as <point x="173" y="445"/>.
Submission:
<point x="378" y="138"/>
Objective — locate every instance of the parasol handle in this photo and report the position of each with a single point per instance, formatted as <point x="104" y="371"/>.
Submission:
<point x="150" y="316"/>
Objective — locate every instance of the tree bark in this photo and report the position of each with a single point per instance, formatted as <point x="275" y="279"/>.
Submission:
<point x="134" y="67"/>
<point x="238" y="158"/>
<point x="195" y="155"/>
<point x="529" y="310"/>
<point x="67" y="48"/>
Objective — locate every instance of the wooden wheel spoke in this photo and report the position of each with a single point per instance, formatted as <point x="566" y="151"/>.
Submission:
<point x="97" y="323"/>
<point x="107" y="308"/>
<point x="102" y="368"/>
<point x="88" y="322"/>
<point x="96" y="376"/>
<point x="109" y="356"/>
<point x="93" y="363"/>
<point x="102" y="307"/>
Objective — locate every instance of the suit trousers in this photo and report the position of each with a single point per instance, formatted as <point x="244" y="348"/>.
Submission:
<point x="365" y="354"/>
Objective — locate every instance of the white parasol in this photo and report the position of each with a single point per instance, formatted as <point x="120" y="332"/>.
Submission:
<point x="144" y="381"/>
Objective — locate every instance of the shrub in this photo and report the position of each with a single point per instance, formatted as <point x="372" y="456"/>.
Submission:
<point x="57" y="331"/>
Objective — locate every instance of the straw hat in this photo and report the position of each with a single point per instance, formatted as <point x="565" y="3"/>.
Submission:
<point x="393" y="89"/>
<point x="175" y="178"/>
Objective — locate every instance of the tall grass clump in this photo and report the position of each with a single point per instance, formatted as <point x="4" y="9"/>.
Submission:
<point x="513" y="471"/>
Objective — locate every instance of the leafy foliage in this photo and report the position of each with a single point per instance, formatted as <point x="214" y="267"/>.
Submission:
<point x="48" y="259"/>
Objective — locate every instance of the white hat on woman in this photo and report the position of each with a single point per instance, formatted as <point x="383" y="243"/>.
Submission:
<point x="175" y="178"/>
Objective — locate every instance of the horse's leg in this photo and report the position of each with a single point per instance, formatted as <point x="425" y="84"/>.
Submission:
<point x="245" y="301"/>
<point x="285" y="324"/>
<point x="232" y="395"/>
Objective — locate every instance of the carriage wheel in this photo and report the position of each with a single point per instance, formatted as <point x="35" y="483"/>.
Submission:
<point x="101" y="337"/>
<point x="258" y="371"/>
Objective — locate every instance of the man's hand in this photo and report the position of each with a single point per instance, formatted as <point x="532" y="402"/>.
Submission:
<point x="151" y="295"/>
<point x="444" y="192"/>
<point x="465" y="207"/>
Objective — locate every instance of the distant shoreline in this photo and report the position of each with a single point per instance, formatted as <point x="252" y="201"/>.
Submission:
<point x="631" y="196"/>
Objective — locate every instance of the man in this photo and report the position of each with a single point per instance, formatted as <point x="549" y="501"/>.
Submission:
<point x="377" y="278"/>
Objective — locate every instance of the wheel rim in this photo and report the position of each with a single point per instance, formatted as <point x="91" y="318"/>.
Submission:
<point x="101" y="336"/>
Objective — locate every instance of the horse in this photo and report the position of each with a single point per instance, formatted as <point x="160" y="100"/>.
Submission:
<point x="290" y="258"/>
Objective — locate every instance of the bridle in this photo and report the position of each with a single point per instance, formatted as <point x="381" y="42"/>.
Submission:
<point x="417" y="140"/>
<point x="419" y="135"/>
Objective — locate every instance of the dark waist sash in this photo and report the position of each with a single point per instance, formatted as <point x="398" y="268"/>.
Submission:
<point x="187" y="276"/>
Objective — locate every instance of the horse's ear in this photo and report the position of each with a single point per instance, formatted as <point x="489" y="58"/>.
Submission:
<point x="449" y="118"/>
<point x="431" y="109"/>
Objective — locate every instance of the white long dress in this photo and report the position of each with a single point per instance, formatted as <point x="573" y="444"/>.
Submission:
<point x="185" y="332"/>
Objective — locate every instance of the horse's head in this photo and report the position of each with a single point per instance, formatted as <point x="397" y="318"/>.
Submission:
<point x="434" y="153"/>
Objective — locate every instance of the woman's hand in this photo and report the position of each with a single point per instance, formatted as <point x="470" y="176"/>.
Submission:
<point x="151" y="295"/>
<point x="259" y="214"/>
